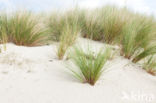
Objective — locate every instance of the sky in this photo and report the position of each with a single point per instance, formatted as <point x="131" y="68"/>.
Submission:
<point x="143" y="6"/>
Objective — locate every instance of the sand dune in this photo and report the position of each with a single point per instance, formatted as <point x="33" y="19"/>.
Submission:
<point x="35" y="75"/>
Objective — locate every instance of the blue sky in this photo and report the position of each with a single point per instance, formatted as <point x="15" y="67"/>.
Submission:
<point x="144" y="6"/>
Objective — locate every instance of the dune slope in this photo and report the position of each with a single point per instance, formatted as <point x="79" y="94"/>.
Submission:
<point x="34" y="75"/>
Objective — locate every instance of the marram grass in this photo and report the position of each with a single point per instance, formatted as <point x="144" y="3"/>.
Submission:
<point x="136" y="39"/>
<point x="58" y="21"/>
<point x="92" y="28"/>
<point x="55" y="24"/>
<point x="112" y="20"/>
<point x="25" y="29"/>
<point x="3" y="28"/>
<point x="90" y="65"/>
<point x="104" y="24"/>
<point x="145" y="53"/>
<point x="150" y="65"/>
<point x="68" y="37"/>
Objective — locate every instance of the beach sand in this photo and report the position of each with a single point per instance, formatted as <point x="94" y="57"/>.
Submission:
<point x="35" y="75"/>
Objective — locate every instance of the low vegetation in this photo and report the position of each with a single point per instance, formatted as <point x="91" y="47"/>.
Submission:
<point x="68" y="36"/>
<point x="150" y="65"/>
<point x="55" y="24"/>
<point x="22" y="28"/>
<point x="104" y="24"/>
<point x="3" y="28"/>
<point x="136" y="39"/>
<point x="58" y="21"/>
<point x="25" y="29"/>
<point x="89" y="64"/>
<point x="134" y="33"/>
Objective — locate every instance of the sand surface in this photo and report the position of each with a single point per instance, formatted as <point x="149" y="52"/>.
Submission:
<point x="34" y="75"/>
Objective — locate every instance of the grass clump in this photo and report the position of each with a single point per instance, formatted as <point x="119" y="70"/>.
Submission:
<point x="150" y="65"/>
<point x="112" y="20"/>
<point x="92" y="28"/>
<point x="3" y="28"/>
<point x="89" y="64"/>
<point x="136" y="38"/>
<point x="104" y="24"/>
<point x="68" y="37"/>
<point x="55" y="25"/>
<point x="25" y="29"/>
<point x="58" y="21"/>
<point x="145" y="53"/>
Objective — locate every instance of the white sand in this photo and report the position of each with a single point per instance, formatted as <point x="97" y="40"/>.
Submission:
<point x="34" y="75"/>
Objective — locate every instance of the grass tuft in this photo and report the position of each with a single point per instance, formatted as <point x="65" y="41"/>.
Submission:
<point x="58" y="21"/>
<point x="104" y="24"/>
<point x="136" y="38"/>
<point x="25" y="29"/>
<point x="150" y="65"/>
<point x="68" y="36"/>
<point x="3" y="28"/>
<point x="89" y="64"/>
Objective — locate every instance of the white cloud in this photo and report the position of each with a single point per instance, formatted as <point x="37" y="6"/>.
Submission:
<point x="44" y="5"/>
<point x="98" y="3"/>
<point x="6" y="4"/>
<point x="136" y="5"/>
<point x="89" y="3"/>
